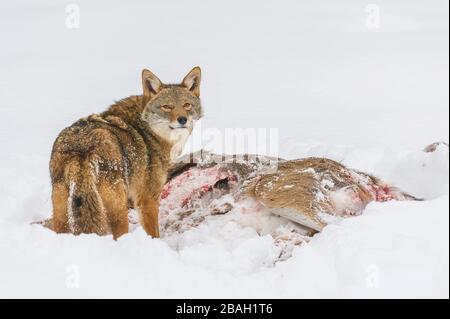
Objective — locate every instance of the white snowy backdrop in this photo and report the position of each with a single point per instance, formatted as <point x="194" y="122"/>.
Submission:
<point x="318" y="71"/>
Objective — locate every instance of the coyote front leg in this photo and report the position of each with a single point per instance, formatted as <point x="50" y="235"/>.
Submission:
<point x="148" y="210"/>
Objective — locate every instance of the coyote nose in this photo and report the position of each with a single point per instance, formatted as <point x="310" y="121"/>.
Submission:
<point x="182" y="120"/>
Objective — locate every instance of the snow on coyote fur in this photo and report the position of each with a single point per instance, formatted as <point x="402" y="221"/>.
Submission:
<point x="103" y="161"/>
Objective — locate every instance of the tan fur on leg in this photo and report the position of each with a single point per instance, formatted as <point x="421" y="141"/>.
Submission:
<point x="115" y="202"/>
<point x="148" y="211"/>
<point x="60" y="195"/>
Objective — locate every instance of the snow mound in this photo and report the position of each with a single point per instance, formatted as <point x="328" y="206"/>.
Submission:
<point x="394" y="249"/>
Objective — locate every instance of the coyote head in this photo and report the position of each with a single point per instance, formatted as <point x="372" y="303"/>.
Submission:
<point x="171" y="110"/>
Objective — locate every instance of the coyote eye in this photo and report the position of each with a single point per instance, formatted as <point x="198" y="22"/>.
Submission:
<point x="188" y="106"/>
<point x="166" y="108"/>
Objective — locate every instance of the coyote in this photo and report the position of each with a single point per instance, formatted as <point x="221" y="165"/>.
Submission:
<point x="104" y="162"/>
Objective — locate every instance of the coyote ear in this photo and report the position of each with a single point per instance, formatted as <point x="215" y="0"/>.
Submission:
<point x="192" y="81"/>
<point x="150" y="83"/>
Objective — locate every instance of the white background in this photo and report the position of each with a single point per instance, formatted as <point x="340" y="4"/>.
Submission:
<point x="372" y="98"/>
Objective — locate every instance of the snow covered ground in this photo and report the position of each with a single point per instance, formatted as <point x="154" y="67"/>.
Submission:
<point x="332" y="83"/>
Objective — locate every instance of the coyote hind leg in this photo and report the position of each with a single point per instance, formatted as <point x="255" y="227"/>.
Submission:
<point x="115" y="202"/>
<point x="60" y="195"/>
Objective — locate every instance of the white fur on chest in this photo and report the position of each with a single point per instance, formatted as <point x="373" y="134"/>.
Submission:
<point x="178" y="139"/>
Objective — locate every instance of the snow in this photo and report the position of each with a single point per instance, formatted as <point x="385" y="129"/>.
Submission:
<point x="369" y="98"/>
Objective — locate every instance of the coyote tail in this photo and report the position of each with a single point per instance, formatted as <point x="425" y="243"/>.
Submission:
<point x="84" y="207"/>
